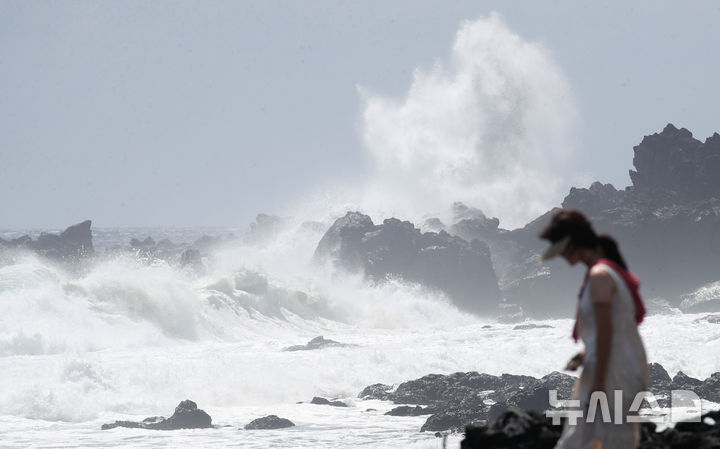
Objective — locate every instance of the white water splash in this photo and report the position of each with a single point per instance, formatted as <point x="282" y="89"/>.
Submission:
<point x="491" y="127"/>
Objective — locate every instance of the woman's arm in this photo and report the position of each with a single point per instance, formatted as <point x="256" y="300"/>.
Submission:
<point x="602" y="289"/>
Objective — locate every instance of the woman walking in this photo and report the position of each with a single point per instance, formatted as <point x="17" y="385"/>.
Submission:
<point x="608" y="313"/>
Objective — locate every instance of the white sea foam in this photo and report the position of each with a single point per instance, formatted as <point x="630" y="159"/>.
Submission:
<point x="128" y="340"/>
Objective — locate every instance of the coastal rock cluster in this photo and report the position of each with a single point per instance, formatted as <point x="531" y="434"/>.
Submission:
<point x="667" y="223"/>
<point x="461" y="269"/>
<point x="456" y="400"/>
<point x="519" y="429"/>
<point x="269" y="422"/>
<point x="186" y="416"/>
<point x="71" y="245"/>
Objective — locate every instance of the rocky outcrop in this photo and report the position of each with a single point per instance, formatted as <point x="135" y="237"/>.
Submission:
<point x="516" y="428"/>
<point x="269" y="422"/>
<point x="406" y="410"/>
<point x="668" y="221"/>
<point x="318" y="342"/>
<point x="461" y="398"/>
<point x="71" y="245"/>
<point x="458" y="399"/>
<point x="462" y="270"/>
<point x="186" y="416"/>
<point x="376" y="391"/>
<point x="674" y="165"/>
<point x="667" y="224"/>
<point x="519" y="429"/>
<point x="317" y="400"/>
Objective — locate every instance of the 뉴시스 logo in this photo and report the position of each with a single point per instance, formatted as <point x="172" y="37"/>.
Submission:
<point x="684" y="406"/>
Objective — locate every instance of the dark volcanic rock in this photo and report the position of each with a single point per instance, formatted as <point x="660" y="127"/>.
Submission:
<point x="322" y="401"/>
<point x="663" y="387"/>
<point x="519" y="429"/>
<point x="406" y="410"/>
<point x="376" y="391"/>
<point x="186" y="416"/>
<point x="515" y="428"/>
<point x="676" y="164"/>
<point x="342" y="240"/>
<point x="536" y="396"/>
<point x="473" y="222"/>
<point x="269" y="422"/>
<point x="461" y="398"/>
<point x="454" y="418"/>
<point x="710" y="388"/>
<point x="595" y="199"/>
<point x="435" y="388"/>
<point x="462" y="270"/>
<point x="659" y="378"/>
<point x="667" y="224"/>
<point x="681" y="381"/>
<point x="318" y="342"/>
<point x="71" y="245"/>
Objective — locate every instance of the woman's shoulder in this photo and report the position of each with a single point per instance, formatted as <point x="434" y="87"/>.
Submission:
<point x="600" y="271"/>
<point x="602" y="283"/>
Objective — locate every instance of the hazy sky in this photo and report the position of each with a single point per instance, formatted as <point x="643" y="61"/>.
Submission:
<point x="207" y="113"/>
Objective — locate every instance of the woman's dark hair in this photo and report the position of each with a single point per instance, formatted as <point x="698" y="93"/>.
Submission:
<point x="571" y="222"/>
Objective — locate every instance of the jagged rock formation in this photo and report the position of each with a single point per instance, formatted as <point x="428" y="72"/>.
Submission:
<point x="676" y="165"/>
<point x="376" y="391"/>
<point x="269" y="422"/>
<point x="317" y="400"/>
<point x="522" y="278"/>
<point x="667" y="224"/>
<point x="459" y="399"/>
<point x="71" y="245"/>
<point x="186" y="416"/>
<point x="460" y="269"/>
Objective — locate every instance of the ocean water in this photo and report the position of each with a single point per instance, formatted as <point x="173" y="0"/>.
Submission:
<point x="130" y="338"/>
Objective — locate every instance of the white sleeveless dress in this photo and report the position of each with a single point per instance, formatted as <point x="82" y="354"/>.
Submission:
<point x="627" y="371"/>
